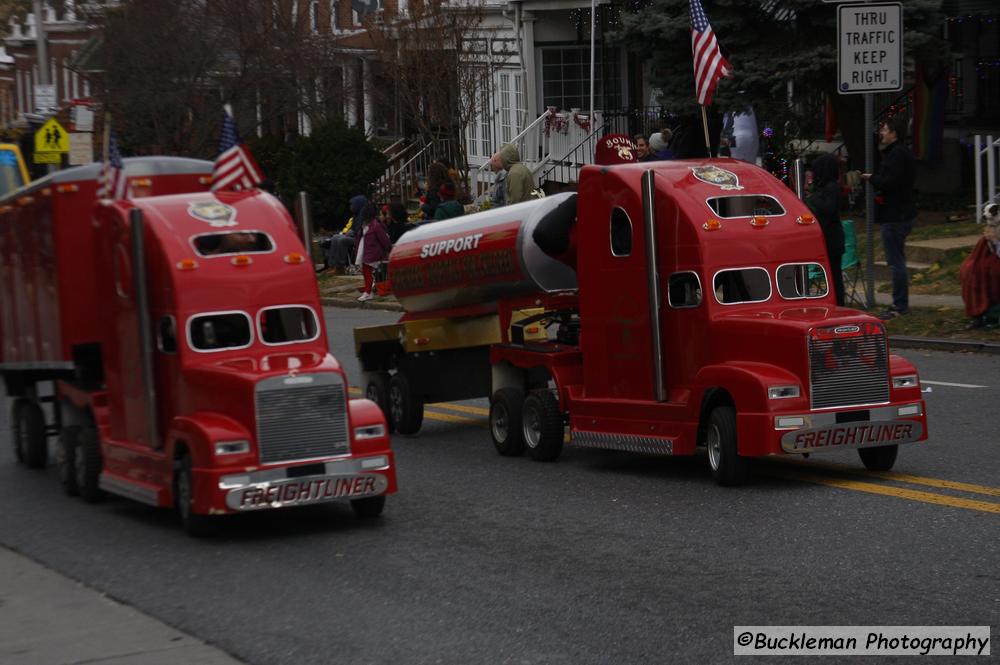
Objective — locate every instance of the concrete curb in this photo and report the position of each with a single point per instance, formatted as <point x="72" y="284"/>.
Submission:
<point x="353" y="303"/>
<point x="955" y="345"/>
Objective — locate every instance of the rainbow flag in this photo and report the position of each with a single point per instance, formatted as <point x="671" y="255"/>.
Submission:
<point x="930" y="98"/>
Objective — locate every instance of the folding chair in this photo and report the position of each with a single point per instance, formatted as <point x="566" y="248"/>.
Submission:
<point x="850" y="266"/>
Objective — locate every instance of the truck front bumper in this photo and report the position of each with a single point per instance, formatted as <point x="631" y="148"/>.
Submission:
<point x="233" y="491"/>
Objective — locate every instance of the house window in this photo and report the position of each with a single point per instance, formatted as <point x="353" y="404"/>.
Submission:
<point x="506" y="127"/>
<point x="566" y="78"/>
<point x="314" y="16"/>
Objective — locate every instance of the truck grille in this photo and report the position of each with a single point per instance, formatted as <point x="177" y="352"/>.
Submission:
<point x="301" y="417"/>
<point x="848" y="366"/>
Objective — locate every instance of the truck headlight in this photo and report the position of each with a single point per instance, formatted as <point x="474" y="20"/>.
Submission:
<point x="907" y="381"/>
<point x="369" y="432"/>
<point x="782" y="392"/>
<point x="232" y="447"/>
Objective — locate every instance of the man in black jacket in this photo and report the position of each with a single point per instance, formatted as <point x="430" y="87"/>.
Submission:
<point x="895" y="208"/>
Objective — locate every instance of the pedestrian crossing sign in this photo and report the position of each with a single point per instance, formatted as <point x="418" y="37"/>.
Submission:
<point x="51" y="137"/>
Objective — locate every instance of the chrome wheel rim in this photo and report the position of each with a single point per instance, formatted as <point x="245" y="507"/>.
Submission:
<point x="500" y="423"/>
<point x="371" y="392"/>
<point x="396" y="403"/>
<point x="532" y="427"/>
<point x="714" y="445"/>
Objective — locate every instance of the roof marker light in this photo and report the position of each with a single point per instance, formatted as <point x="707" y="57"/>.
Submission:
<point x="294" y="258"/>
<point x="758" y="221"/>
<point x="142" y="182"/>
<point x="241" y="260"/>
<point x="187" y="264"/>
<point x="67" y="188"/>
<point x="806" y="219"/>
<point x="712" y="225"/>
<point x="205" y="180"/>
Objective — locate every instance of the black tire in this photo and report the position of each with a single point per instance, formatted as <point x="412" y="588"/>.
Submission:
<point x="69" y="440"/>
<point x="728" y="468"/>
<point x="377" y="390"/>
<point x="195" y="524"/>
<point x="369" y="507"/>
<point x="87" y="465"/>
<point x="506" y="429"/>
<point x="879" y="459"/>
<point x="542" y="426"/>
<point x="28" y="433"/>
<point x="406" y="409"/>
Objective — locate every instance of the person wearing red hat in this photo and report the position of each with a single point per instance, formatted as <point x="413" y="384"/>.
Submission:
<point x="448" y="207"/>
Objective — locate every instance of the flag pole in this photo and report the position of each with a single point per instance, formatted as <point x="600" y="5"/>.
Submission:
<point x="107" y="137"/>
<point x="704" y="124"/>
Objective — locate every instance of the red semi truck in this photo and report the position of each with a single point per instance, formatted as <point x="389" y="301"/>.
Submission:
<point x="183" y="337"/>
<point x="687" y="305"/>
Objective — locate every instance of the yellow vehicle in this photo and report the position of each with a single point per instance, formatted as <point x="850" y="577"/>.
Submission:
<point x="13" y="172"/>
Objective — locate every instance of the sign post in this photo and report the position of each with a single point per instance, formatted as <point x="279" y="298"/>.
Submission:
<point x="869" y="60"/>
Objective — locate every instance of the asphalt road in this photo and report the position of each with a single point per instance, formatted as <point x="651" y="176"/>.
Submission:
<point x="601" y="557"/>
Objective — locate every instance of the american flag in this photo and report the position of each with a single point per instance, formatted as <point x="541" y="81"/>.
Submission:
<point x="234" y="165"/>
<point x="709" y="65"/>
<point x="112" y="183"/>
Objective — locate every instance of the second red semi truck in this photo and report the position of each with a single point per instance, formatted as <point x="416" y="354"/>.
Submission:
<point x="687" y="307"/>
<point x="174" y="346"/>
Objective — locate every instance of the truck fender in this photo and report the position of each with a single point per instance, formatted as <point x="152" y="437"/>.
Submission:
<point x="198" y="433"/>
<point x="747" y="383"/>
<point x="365" y="413"/>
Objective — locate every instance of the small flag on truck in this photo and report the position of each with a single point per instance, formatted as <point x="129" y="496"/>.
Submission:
<point x="709" y="65"/>
<point x="112" y="183"/>
<point x="234" y="166"/>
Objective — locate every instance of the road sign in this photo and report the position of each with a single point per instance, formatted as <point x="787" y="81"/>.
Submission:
<point x="45" y="96"/>
<point x="51" y="137"/>
<point x="869" y="48"/>
<point x="81" y="148"/>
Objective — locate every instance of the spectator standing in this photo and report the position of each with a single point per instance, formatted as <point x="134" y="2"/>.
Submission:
<point x="825" y="204"/>
<point x="519" y="182"/>
<point x="980" y="273"/>
<point x="895" y="210"/>
<point x="659" y="144"/>
<point x="373" y="248"/>
<point x="642" y="150"/>
<point x="448" y="207"/>
<point x="437" y="175"/>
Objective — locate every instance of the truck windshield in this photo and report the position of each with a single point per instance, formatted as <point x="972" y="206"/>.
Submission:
<point x="219" y="331"/>
<point x="802" y="280"/>
<point x="231" y="242"/>
<point x="745" y="205"/>
<point x="742" y="285"/>
<point x="285" y="325"/>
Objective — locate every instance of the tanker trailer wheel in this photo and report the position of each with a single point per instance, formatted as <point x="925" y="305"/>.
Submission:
<point x="506" y="428"/>
<point x="369" y="507"/>
<point x="878" y="459"/>
<point x="406" y="409"/>
<point x="542" y="425"/>
<point x="728" y="468"/>
<point x="377" y="390"/>
<point x="28" y="432"/>
<point x="196" y="525"/>
<point x="69" y="441"/>
<point x="87" y="465"/>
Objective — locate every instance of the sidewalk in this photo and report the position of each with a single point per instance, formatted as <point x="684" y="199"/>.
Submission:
<point x="48" y="618"/>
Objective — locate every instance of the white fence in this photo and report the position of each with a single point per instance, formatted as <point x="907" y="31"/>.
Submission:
<point x="986" y="187"/>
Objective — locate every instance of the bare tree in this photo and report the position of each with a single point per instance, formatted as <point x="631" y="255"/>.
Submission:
<point x="442" y="66"/>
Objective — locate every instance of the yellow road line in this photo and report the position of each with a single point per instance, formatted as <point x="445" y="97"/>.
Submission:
<point x="897" y="477"/>
<point x="884" y="490"/>
<point x="447" y="417"/>
<point x="461" y="408"/>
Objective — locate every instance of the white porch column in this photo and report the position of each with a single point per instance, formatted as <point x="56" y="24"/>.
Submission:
<point x="368" y="85"/>
<point x="530" y="76"/>
<point x="350" y="92"/>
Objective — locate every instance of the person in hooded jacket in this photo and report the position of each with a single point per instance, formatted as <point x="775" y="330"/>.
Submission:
<point x="825" y="204"/>
<point x="519" y="182"/>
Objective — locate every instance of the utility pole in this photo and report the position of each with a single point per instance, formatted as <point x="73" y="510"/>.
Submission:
<point x="40" y="44"/>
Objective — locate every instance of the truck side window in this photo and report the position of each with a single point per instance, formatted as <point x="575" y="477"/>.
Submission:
<point x="285" y="325"/>
<point x="742" y="285"/>
<point x="802" y="280"/>
<point x="745" y="205"/>
<point x="684" y="290"/>
<point x="231" y="242"/>
<point x="220" y="330"/>
<point x="621" y="233"/>
<point x="166" y="338"/>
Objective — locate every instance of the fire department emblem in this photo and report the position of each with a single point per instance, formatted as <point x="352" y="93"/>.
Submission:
<point x="713" y="175"/>
<point x="215" y="213"/>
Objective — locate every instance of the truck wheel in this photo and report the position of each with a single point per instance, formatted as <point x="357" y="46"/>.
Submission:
<point x="87" y="465"/>
<point x="66" y="459"/>
<point x="728" y="468"/>
<point x="878" y="459"/>
<point x="506" y="426"/>
<point x="377" y="390"/>
<point x="196" y="525"/>
<point x="406" y="410"/>
<point x="369" y="507"/>
<point x="542" y="426"/>
<point x="28" y="425"/>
